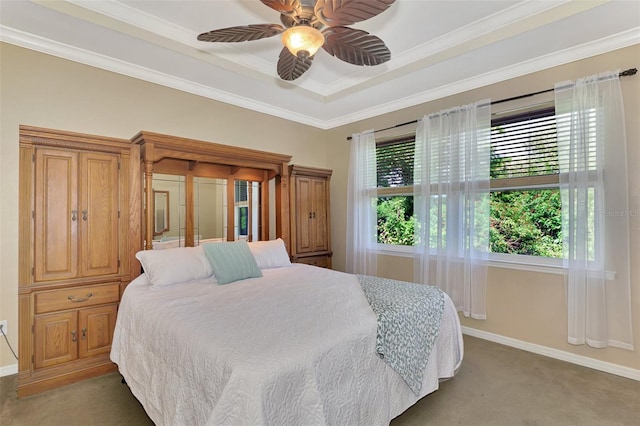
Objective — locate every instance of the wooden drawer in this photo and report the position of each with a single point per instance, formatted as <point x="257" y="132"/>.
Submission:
<point x="76" y="297"/>
<point x="323" y="261"/>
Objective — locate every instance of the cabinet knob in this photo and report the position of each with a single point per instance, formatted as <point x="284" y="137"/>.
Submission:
<point x="74" y="336"/>
<point x="74" y="215"/>
<point x="84" y="333"/>
<point x="84" y="215"/>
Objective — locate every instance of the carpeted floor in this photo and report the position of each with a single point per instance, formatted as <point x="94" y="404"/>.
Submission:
<point x="497" y="385"/>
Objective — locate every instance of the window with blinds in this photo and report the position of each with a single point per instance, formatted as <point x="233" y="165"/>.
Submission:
<point x="394" y="203"/>
<point x="524" y="145"/>
<point x="525" y="196"/>
<point x="394" y="161"/>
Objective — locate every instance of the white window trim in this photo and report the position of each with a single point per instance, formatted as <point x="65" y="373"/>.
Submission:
<point x="521" y="262"/>
<point x="395" y="250"/>
<point x="500" y="260"/>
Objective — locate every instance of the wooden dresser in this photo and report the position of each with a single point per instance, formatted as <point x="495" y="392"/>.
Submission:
<point x="310" y="216"/>
<point x="79" y="232"/>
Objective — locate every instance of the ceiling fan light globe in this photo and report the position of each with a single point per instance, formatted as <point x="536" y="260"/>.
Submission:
<point x="303" y="38"/>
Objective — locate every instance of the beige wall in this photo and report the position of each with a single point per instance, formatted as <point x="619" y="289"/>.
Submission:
<point x="45" y="91"/>
<point x="522" y="305"/>
<point x="40" y="90"/>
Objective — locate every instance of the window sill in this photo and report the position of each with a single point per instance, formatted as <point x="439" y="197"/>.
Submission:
<point x="391" y="250"/>
<point x="527" y="263"/>
<point x="499" y="260"/>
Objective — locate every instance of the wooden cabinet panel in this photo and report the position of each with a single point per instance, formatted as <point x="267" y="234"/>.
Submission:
<point x="98" y="214"/>
<point x="319" y="230"/>
<point x="56" y="215"/>
<point x="321" y="261"/>
<point x="310" y="222"/>
<point x="66" y="336"/>
<point x="76" y="214"/>
<point x="96" y="330"/>
<point x="78" y="194"/>
<point x="56" y="339"/>
<point x="311" y="214"/>
<point x="76" y="297"/>
<point x="304" y="210"/>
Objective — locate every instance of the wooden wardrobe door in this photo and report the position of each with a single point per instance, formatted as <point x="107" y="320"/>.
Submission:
<point x="98" y="214"/>
<point x="56" y="339"/>
<point x="304" y="212"/>
<point x="319" y="215"/>
<point x="56" y="215"/>
<point x="96" y="329"/>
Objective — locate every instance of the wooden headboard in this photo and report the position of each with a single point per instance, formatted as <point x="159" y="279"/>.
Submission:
<point x="189" y="157"/>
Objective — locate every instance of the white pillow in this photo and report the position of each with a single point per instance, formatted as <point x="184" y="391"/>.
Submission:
<point x="270" y="254"/>
<point x="174" y="265"/>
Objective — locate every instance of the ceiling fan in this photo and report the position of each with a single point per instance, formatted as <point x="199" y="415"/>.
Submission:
<point x="307" y="28"/>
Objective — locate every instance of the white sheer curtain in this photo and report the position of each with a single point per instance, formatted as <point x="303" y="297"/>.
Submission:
<point x="361" y="206"/>
<point x="595" y="210"/>
<point x="451" y="202"/>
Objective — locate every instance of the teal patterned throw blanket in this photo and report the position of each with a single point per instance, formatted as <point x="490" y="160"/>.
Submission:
<point x="409" y="317"/>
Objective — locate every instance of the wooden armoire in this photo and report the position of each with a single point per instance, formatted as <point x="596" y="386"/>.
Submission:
<point x="79" y="231"/>
<point x="310" y="216"/>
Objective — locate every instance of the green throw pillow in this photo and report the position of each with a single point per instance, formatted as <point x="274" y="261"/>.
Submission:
<point x="231" y="261"/>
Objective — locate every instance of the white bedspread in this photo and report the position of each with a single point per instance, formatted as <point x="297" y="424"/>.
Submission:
<point x="295" y="347"/>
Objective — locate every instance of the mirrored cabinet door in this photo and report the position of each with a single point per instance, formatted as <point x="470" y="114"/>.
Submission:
<point x="169" y="210"/>
<point x="209" y="209"/>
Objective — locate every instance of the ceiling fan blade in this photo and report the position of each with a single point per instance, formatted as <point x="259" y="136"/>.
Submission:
<point x="291" y="67"/>
<point x="242" y="33"/>
<point x="286" y="7"/>
<point x="355" y="46"/>
<point x="348" y="12"/>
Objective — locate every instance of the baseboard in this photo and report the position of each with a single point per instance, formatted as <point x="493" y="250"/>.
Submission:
<point x="584" y="361"/>
<point x="8" y="370"/>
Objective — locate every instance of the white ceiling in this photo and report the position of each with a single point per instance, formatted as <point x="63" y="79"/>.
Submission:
<point x="438" y="48"/>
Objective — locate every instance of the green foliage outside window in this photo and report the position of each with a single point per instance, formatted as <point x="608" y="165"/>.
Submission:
<point x="396" y="221"/>
<point x="523" y="221"/>
<point x="526" y="222"/>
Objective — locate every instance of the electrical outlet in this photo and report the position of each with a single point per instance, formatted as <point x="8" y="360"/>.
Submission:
<point x="3" y="324"/>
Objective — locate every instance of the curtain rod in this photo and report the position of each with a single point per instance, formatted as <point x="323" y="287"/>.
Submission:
<point x="626" y="73"/>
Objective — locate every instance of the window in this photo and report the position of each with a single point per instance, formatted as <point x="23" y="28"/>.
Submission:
<point x="396" y="221"/>
<point x="525" y="195"/>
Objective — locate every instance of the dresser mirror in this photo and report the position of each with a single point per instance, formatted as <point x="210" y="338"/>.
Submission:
<point x="161" y="212"/>
<point x="209" y="209"/>
<point x="169" y="210"/>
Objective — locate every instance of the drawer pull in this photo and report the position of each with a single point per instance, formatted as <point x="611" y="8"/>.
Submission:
<point x="74" y="336"/>
<point x="73" y="298"/>
<point x="84" y="333"/>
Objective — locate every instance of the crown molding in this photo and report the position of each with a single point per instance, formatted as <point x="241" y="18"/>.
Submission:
<point x="75" y="54"/>
<point x="562" y="57"/>
<point x="40" y="44"/>
<point x="131" y="16"/>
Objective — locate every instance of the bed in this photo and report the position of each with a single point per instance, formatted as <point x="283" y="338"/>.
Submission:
<point x="289" y="344"/>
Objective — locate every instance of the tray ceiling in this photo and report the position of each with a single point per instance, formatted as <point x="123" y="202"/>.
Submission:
<point x="438" y="48"/>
